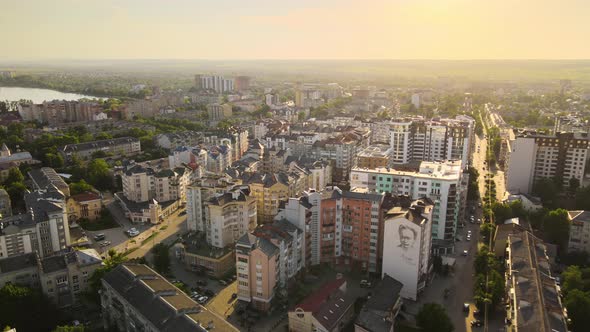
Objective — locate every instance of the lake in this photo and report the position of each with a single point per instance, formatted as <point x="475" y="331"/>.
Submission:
<point x="36" y="95"/>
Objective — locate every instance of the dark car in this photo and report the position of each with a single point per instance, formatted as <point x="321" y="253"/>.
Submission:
<point x="476" y="323"/>
<point x="99" y="237"/>
<point x="201" y="282"/>
<point x="234" y="296"/>
<point x="209" y="292"/>
<point x="466" y="307"/>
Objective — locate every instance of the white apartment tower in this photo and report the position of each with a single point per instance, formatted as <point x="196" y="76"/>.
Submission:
<point x="442" y="182"/>
<point x="533" y="157"/>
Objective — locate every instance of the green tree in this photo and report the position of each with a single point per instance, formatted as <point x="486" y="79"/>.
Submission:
<point x="486" y="230"/>
<point x="301" y="116"/>
<point x="54" y="160"/>
<point x="502" y="212"/>
<point x="433" y="317"/>
<point x="546" y="190"/>
<point x="161" y="258"/>
<point x="577" y="303"/>
<point x="18" y="304"/>
<point x="583" y="198"/>
<point x="99" y="174"/>
<point x="79" y="187"/>
<point x="574" y="184"/>
<point x="112" y="260"/>
<point x="473" y="186"/>
<point x="557" y="227"/>
<point x="16" y="191"/>
<point x="14" y="176"/>
<point x="572" y="279"/>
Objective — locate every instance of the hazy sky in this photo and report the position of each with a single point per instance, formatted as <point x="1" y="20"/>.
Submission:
<point x="295" y="29"/>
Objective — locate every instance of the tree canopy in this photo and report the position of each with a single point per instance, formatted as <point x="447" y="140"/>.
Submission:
<point x="433" y="317"/>
<point x="18" y="304"/>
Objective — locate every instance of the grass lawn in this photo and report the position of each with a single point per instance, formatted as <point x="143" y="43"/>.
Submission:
<point x="98" y="225"/>
<point x="105" y="221"/>
<point x="144" y="241"/>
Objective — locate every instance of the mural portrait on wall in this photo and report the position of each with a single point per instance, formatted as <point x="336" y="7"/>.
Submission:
<point x="407" y="242"/>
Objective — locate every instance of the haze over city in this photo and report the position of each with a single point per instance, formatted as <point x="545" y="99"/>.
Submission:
<point x="305" y="29"/>
<point x="301" y="166"/>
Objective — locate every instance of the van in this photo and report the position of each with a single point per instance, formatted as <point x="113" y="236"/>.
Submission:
<point x="99" y="237"/>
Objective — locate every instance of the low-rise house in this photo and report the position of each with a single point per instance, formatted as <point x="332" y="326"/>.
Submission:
<point x="379" y="312"/>
<point x="62" y="277"/>
<point x="201" y="257"/>
<point x="18" y="158"/>
<point x="118" y="147"/>
<point x="328" y="309"/>
<point x="135" y="298"/>
<point x="85" y="205"/>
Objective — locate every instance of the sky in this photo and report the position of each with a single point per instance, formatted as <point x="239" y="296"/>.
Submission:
<point x="294" y="29"/>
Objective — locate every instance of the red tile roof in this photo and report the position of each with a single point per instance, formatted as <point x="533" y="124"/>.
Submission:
<point x="86" y="196"/>
<point x="314" y="302"/>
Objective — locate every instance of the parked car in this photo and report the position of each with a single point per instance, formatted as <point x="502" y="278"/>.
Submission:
<point x="202" y="299"/>
<point x="209" y="292"/>
<point x="465" y="252"/>
<point x="201" y="282"/>
<point x="105" y="243"/>
<point x="468" y="237"/>
<point x="466" y="307"/>
<point x="476" y="323"/>
<point x="222" y="283"/>
<point x="99" y="237"/>
<point x="365" y="284"/>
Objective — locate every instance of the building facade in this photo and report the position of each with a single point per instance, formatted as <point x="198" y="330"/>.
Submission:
<point x="533" y="157"/>
<point x="257" y="264"/>
<point x="120" y="147"/>
<point x="43" y="229"/>
<point x="136" y="298"/>
<point x="144" y="183"/>
<point x="44" y="177"/>
<point x="431" y="140"/>
<point x="579" y="239"/>
<point x="229" y="216"/>
<point x="87" y="205"/>
<point x="406" y="253"/>
<point x="443" y="182"/>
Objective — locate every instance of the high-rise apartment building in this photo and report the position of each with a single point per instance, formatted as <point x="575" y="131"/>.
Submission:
<point x="197" y="195"/>
<point x="229" y="216"/>
<point x="257" y="265"/>
<point x="218" y="112"/>
<point x="562" y="157"/>
<point x="242" y="83"/>
<point x="142" y="183"/>
<point x="443" y="182"/>
<point x="218" y="83"/>
<point x="43" y="229"/>
<point x="433" y="140"/>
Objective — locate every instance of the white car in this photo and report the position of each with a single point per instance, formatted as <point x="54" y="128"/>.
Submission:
<point x="465" y="252"/>
<point x="468" y="237"/>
